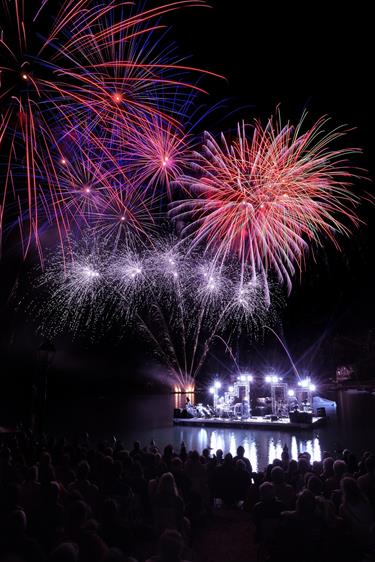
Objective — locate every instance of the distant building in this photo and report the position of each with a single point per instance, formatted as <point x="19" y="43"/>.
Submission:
<point x="344" y="373"/>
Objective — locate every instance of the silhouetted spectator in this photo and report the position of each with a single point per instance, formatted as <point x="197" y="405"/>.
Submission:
<point x="333" y="482"/>
<point x="366" y="482"/>
<point x="16" y="542"/>
<point x="65" y="552"/>
<point x="266" y="514"/>
<point x="284" y="492"/>
<point x="241" y="456"/>
<point x="242" y="481"/>
<point x="171" y="546"/>
<point x="225" y="485"/>
<point x="356" y="512"/>
<point x="88" y="491"/>
<point x="168" y="507"/>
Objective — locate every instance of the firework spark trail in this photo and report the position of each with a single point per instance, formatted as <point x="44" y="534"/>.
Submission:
<point x="94" y="192"/>
<point x="179" y="302"/>
<point x="76" y="293"/>
<point x="158" y="156"/>
<point x="97" y="68"/>
<point x="270" y="197"/>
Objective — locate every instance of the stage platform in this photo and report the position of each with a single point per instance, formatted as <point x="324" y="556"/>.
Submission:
<point x="255" y="422"/>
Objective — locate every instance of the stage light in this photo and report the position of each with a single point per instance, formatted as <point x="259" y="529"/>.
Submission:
<point x="242" y="378"/>
<point x="312" y="387"/>
<point x="217" y="384"/>
<point x="250" y="378"/>
<point x="268" y="378"/>
<point x="275" y="379"/>
<point x="291" y="392"/>
<point x="230" y="388"/>
<point x="305" y="383"/>
<point x="212" y="390"/>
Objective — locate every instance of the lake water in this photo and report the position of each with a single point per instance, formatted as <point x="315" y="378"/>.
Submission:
<point x="148" y="417"/>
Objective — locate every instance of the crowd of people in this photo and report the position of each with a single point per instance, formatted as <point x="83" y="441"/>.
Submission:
<point x="71" y="501"/>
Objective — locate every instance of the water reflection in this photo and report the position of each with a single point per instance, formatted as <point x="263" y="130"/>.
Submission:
<point x="150" y="417"/>
<point x="261" y="447"/>
<point x="294" y="448"/>
<point x="275" y="450"/>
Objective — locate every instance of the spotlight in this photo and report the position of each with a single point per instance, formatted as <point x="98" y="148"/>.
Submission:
<point x="275" y="379"/>
<point x="217" y="384"/>
<point x="250" y="378"/>
<point x="291" y="392"/>
<point x="212" y="390"/>
<point x="230" y="388"/>
<point x="312" y="387"/>
<point x="268" y="378"/>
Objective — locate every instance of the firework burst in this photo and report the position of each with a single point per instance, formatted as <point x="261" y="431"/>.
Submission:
<point x="159" y="156"/>
<point x="177" y="301"/>
<point x="95" y="69"/>
<point x="74" y="292"/>
<point x="269" y="196"/>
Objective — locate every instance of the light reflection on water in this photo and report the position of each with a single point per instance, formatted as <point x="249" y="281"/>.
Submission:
<point x="261" y="447"/>
<point x="150" y="417"/>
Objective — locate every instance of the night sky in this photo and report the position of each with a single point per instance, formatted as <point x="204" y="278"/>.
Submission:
<point x="270" y="56"/>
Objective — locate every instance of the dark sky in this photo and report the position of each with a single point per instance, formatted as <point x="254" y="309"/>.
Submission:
<point x="308" y="59"/>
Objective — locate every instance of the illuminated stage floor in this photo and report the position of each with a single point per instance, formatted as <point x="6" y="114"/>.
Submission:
<point x="254" y="422"/>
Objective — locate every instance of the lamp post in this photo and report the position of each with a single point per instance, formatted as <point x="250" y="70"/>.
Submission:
<point x="45" y="355"/>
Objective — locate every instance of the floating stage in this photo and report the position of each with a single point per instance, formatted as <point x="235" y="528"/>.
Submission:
<point x="255" y="422"/>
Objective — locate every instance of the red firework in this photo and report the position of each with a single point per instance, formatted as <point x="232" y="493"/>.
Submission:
<point x="269" y="196"/>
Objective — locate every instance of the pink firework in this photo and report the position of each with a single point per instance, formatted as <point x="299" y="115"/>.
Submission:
<point x="95" y="67"/>
<point x="157" y="156"/>
<point x="269" y="196"/>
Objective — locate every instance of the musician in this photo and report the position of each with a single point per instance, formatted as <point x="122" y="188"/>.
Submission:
<point x="190" y="409"/>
